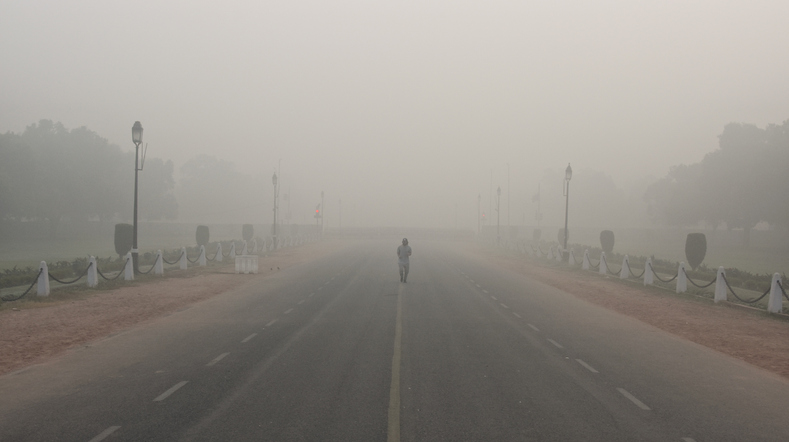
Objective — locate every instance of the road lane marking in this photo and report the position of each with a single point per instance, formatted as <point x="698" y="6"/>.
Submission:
<point x="272" y="322"/>
<point x="688" y="439"/>
<point x="484" y="291"/>
<point x="287" y="312"/>
<point x="503" y="305"/>
<point x="217" y="359"/>
<point x="301" y="302"/>
<point x="320" y="288"/>
<point x="516" y="315"/>
<point x="472" y="281"/>
<point x="587" y="366"/>
<point x="533" y="327"/>
<point x="249" y="337"/>
<point x="312" y="294"/>
<point x="494" y="298"/>
<point x="101" y="436"/>
<point x="633" y="399"/>
<point x="172" y="390"/>
<point x="478" y="286"/>
<point x="558" y="345"/>
<point x="393" y="428"/>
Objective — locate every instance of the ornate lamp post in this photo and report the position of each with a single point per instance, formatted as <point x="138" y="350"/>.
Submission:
<point x="137" y="140"/>
<point x="274" y="181"/>
<point x="568" y="175"/>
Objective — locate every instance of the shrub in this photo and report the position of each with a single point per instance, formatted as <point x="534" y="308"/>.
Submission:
<point x="607" y="241"/>
<point x="695" y="249"/>
<point x="247" y="232"/>
<point x="202" y="235"/>
<point x="124" y="236"/>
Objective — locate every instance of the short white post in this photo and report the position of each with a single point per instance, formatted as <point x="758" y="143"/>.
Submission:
<point x="720" y="285"/>
<point x="158" y="265"/>
<point x="202" y="260"/>
<point x="232" y="250"/>
<point x="649" y="276"/>
<point x="218" y="256"/>
<point x="244" y="250"/>
<point x="625" y="272"/>
<point x="42" y="285"/>
<point x="682" y="279"/>
<point x="586" y="265"/>
<point x="254" y="246"/>
<point x="572" y="258"/>
<point x="559" y="253"/>
<point x="775" y="304"/>
<point x="182" y="261"/>
<point x="93" y="274"/>
<point x="128" y="268"/>
<point x="603" y="264"/>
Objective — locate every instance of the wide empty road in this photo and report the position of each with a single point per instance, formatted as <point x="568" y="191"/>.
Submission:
<point x="338" y="349"/>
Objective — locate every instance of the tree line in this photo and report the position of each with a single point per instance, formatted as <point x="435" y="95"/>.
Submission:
<point x="741" y="184"/>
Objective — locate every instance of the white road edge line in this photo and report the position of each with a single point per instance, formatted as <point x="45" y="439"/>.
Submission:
<point x="587" y="366"/>
<point x="516" y="315"/>
<point x="249" y="337"/>
<point x="288" y="311"/>
<point x="558" y="345"/>
<point x="633" y="399"/>
<point x="172" y="390"/>
<point x="216" y="359"/>
<point x="101" y="436"/>
<point x="272" y="322"/>
<point x="533" y="327"/>
<point x="503" y="305"/>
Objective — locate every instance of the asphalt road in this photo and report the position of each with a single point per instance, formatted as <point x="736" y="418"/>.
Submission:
<point x="339" y="350"/>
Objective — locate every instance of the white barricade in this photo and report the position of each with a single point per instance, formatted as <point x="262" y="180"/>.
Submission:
<point x="246" y="264"/>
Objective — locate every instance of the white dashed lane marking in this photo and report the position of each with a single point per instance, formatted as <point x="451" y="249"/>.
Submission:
<point x="311" y="295"/>
<point x="587" y="366"/>
<point x="558" y="345"/>
<point x="301" y="302"/>
<point x="101" y="436"/>
<point x="216" y="359"/>
<point x="503" y="305"/>
<point x="533" y="327"/>
<point x="688" y="439"/>
<point x="494" y="298"/>
<point x="478" y="286"/>
<point x="172" y="390"/>
<point x="288" y="311"/>
<point x="633" y="399"/>
<point x="484" y="291"/>
<point x="272" y="322"/>
<point x="249" y="337"/>
<point x="516" y="315"/>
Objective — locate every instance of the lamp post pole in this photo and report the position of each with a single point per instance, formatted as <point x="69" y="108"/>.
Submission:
<point x="479" y="216"/>
<point x="274" y="181"/>
<point x="568" y="175"/>
<point x="323" y="215"/>
<point x="137" y="139"/>
<point x="498" y="216"/>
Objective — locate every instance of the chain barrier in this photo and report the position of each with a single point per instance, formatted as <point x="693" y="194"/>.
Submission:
<point x="782" y="290"/>
<point x="120" y="272"/>
<point x="658" y="276"/>
<point x="147" y="271"/>
<point x="700" y="286"/>
<point x="7" y="299"/>
<point x="174" y="262"/>
<point x="72" y="281"/>
<point x="596" y="266"/>
<point x="193" y="262"/>
<point x="608" y="269"/>
<point x="637" y="276"/>
<point x="743" y="300"/>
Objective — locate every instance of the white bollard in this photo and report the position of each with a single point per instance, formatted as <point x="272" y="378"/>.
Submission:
<point x="202" y="260"/>
<point x="254" y="246"/>
<point x="128" y="269"/>
<point x="93" y="274"/>
<point x="682" y="279"/>
<point x="775" y="304"/>
<point x="559" y="252"/>
<point x="218" y="256"/>
<point x="182" y="261"/>
<point x="720" y="286"/>
<point x="586" y="265"/>
<point x="244" y="250"/>
<point x="158" y="265"/>
<point x="625" y="272"/>
<point x="42" y="284"/>
<point x="246" y="264"/>
<point x="232" y="250"/>
<point x="572" y="258"/>
<point x="603" y="264"/>
<point x="649" y="276"/>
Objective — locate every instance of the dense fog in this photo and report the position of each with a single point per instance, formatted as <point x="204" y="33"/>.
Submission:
<point x="402" y="113"/>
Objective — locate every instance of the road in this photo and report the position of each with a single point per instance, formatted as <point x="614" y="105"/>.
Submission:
<point x="337" y="349"/>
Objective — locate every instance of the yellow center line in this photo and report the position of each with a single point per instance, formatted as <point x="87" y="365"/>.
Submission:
<point x="393" y="434"/>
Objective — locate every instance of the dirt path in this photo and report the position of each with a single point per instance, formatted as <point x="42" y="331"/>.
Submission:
<point x="751" y="336"/>
<point x="36" y="331"/>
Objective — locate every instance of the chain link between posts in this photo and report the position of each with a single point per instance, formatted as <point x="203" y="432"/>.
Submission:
<point x="7" y="299"/>
<point x="699" y="286"/>
<point x="659" y="278"/>
<point x="751" y="301"/>
<point x="73" y="280"/>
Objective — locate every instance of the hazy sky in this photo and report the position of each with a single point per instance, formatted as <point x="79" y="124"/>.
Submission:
<point x="402" y="108"/>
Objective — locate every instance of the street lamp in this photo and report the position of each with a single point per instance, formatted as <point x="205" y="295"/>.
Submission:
<point x="323" y="214"/>
<point x="568" y="175"/>
<point x="274" y="181"/>
<point x="498" y="215"/>
<point x="479" y="217"/>
<point x="137" y="140"/>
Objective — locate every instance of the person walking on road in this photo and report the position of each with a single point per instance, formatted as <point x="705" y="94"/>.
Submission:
<point x="403" y="252"/>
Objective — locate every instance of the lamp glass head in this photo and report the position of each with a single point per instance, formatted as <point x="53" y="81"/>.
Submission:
<point x="274" y="179"/>
<point x="568" y="173"/>
<point x="137" y="133"/>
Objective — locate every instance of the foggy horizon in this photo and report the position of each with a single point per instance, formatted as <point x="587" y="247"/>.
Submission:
<point x="404" y="111"/>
